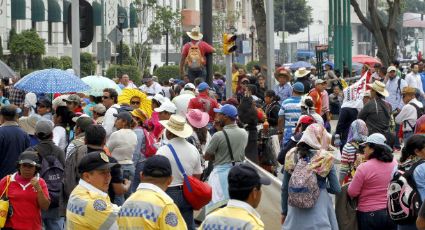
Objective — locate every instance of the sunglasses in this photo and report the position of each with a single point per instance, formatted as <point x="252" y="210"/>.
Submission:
<point x="135" y="102"/>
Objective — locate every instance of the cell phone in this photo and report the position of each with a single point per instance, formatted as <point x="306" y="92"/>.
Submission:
<point x="126" y="174"/>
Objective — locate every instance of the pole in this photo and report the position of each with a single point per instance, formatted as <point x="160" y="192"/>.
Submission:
<point x="282" y="49"/>
<point x="228" y="60"/>
<point x="207" y="30"/>
<point x="308" y="35"/>
<point x="75" y="11"/>
<point x="330" y="32"/>
<point x="350" y="54"/>
<point x="121" y="54"/>
<point x="252" y="46"/>
<point x="166" y="47"/>
<point x="102" y="22"/>
<point x="270" y="43"/>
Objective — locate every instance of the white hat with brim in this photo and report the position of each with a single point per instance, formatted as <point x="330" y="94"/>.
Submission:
<point x="178" y="126"/>
<point x="379" y="87"/>
<point x="195" y="34"/>
<point x="301" y="72"/>
<point x="28" y="123"/>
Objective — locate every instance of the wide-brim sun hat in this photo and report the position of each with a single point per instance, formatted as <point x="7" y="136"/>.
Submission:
<point x="178" y="126"/>
<point x="379" y="87"/>
<point x="145" y="102"/>
<point x="28" y="123"/>
<point x="197" y="118"/>
<point x="195" y="34"/>
<point x="301" y="72"/>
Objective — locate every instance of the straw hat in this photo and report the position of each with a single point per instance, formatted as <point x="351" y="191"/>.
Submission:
<point x="139" y="114"/>
<point x="197" y="118"/>
<point x="178" y="126"/>
<point x="195" y="34"/>
<point x="379" y="87"/>
<point x="301" y="72"/>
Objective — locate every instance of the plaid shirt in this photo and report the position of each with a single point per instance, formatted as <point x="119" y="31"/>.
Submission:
<point x="16" y="96"/>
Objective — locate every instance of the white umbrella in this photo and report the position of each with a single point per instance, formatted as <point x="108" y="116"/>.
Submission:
<point x="98" y="84"/>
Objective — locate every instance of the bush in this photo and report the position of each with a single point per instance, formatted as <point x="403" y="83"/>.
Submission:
<point x="166" y="72"/>
<point x="219" y="68"/>
<point x="87" y="65"/>
<point x="117" y="70"/>
<point x="251" y="64"/>
<point x="51" y="62"/>
<point x="65" y="62"/>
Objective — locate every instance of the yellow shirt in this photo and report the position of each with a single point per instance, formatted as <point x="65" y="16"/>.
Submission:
<point x="236" y="215"/>
<point x="90" y="208"/>
<point x="150" y="208"/>
<point x="235" y="78"/>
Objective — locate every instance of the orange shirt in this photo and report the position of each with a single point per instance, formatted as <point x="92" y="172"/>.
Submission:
<point x="317" y="100"/>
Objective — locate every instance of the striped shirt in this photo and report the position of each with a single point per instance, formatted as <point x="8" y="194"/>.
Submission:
<point x="291" y="109"/>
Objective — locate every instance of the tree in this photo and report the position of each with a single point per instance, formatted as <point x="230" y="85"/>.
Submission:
<point x="260" y="24"/>
<point x="28" y="48"/>
<point x="384" y="30"/>
<point x="297" y="15"/>
<point x="406" y="34"/>
<point x="87" y="66"/>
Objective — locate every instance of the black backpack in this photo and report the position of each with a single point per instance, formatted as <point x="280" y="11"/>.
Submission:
<point x="419" y="113"/>
<point x="52" y="171"/>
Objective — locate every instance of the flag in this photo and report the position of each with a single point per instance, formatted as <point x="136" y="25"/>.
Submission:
<point x="353" y="94"/>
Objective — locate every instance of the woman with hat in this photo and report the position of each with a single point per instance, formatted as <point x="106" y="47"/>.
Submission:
<point x="27" y="193"/>
<point x="179" y="149"/>
<point x="136" y="99"/>
<point x="200" y="136"/>
<point x="370" y="184"/>
<point x="376" y="113"/>
<point x="152" y="123"/>
<point x="28" y="125"/>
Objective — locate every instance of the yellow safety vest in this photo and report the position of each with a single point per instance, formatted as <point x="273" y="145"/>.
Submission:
<point x="150" y="208"/>
<point x="90" y="209"/>
<point x="232" y="217"/>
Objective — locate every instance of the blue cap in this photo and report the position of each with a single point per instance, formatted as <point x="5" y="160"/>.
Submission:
<point x="203" y="86"/>
<point x="228" y="110"/>
<point x="298" y="87"/>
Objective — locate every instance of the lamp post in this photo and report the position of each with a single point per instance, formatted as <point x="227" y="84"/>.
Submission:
<point x="252" y="30"/>
<point x="233" y="30"/>
<point x="121" y="20"/>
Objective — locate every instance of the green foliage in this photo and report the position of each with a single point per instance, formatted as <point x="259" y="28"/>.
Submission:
<point x="26" y="46"/>
<point x="251" y="64"/>
<point x="117" y="70"/>
<point x="87" y="64"/>
<point x="65" y="62"/>
<point x="219" y="68"/>
<point x="51" y="62"/>
<point x="166" y="72"/>
<point x="142" y="53"/>
<point x="297" y="15"/>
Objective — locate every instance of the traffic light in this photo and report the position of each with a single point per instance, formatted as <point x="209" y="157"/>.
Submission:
<point x="229" y="43"/>
<point x="86" y="23"/>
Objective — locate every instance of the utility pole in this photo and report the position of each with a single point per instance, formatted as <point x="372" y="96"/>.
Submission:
<point x="282" y="49"/>
<point x="166" y="47"/>
<point x="102" y="22"/>
<point x="207" y="30"/>
<point x="75" y="10"/>
<point x="270" y="43"/>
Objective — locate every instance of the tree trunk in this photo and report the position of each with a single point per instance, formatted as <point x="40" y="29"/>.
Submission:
<point x="259" y="11"/>
<point x="386" y="35"/>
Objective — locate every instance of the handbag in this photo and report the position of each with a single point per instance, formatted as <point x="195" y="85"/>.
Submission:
<point x="4" y="204"/>
<point x="196" y="192"/>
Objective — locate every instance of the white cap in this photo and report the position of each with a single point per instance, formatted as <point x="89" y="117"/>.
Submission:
<point x="159" y="98"/>
<point x="391" y="68"/>
<point x="319" y="81"/>
<point x="378" y="139"/>
<point x="189" y="86"/>
<point x="167" y="106"/>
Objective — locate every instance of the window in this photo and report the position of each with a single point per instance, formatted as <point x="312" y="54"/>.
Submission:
<point x="49" y="33"/>
<point x="34" y="25"/>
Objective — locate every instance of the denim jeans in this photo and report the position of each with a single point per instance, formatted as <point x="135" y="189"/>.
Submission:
<point x="375" y="220"/>
<point x="396" y="141"/>
<point x="176" y="193"/>
<point x="193" y="74"/>
<point x="407" y="135"/>
<point x="136" y="181"/>
<point x="128" y="173"/>
<point x="52" y="219"/>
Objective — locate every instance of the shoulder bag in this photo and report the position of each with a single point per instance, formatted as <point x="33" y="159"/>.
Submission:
<point x="230" y="147"/>
<point x="196" y="192"/>
<point x="4" y="204"/>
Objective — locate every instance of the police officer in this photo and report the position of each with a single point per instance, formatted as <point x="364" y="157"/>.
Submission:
<point x="150" y="207"/>
<point x="245" y="195"/>
<point x="89" y="206"/>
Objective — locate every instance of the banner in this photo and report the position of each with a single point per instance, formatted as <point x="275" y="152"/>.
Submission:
<point x="353" y="94"/>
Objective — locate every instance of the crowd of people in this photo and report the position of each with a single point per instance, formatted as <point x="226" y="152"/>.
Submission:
<point x="76" y="161"/>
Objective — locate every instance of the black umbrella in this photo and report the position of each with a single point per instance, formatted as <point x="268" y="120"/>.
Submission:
<point x="6" y="71"/>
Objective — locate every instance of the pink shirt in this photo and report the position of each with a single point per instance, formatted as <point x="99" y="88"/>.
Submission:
<point x="370" y="184"/>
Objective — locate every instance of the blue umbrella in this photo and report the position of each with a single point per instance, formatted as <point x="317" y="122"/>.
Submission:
<point x="300" y="64"/>
<point x="51" y="81"/>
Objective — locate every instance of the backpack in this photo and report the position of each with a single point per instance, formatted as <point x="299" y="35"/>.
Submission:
<point x="52" y="171"/>
<point x="71" y="167"/>
<point x="195" y="61"/>
<point x="419" y="113"/>
<point x="303" y="190"/>
<point x="403" y="199"/>
<point x="150" y="148"/>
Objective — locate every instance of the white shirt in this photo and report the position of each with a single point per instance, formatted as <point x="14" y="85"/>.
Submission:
<point x="414" y="80"/>
<point x="188" y="156"/>
<point x="408" y="113"/>
<point x="151" y="90"/>
<point x="109" y="120"/>
<point x="394" y="97"/>
<point x="243" y="205"/>
<point x="182" y="101"/>
<point x="59" y="137"/>
<point x="122" y="144"/>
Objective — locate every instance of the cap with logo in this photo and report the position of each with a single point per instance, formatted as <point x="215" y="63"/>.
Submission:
<point x="157" y="166"/>
<point x="243" y="176"/>
<point x="94" y="161"/>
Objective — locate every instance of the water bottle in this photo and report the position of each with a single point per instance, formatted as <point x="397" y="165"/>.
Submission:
<point x="337" y="141"/>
